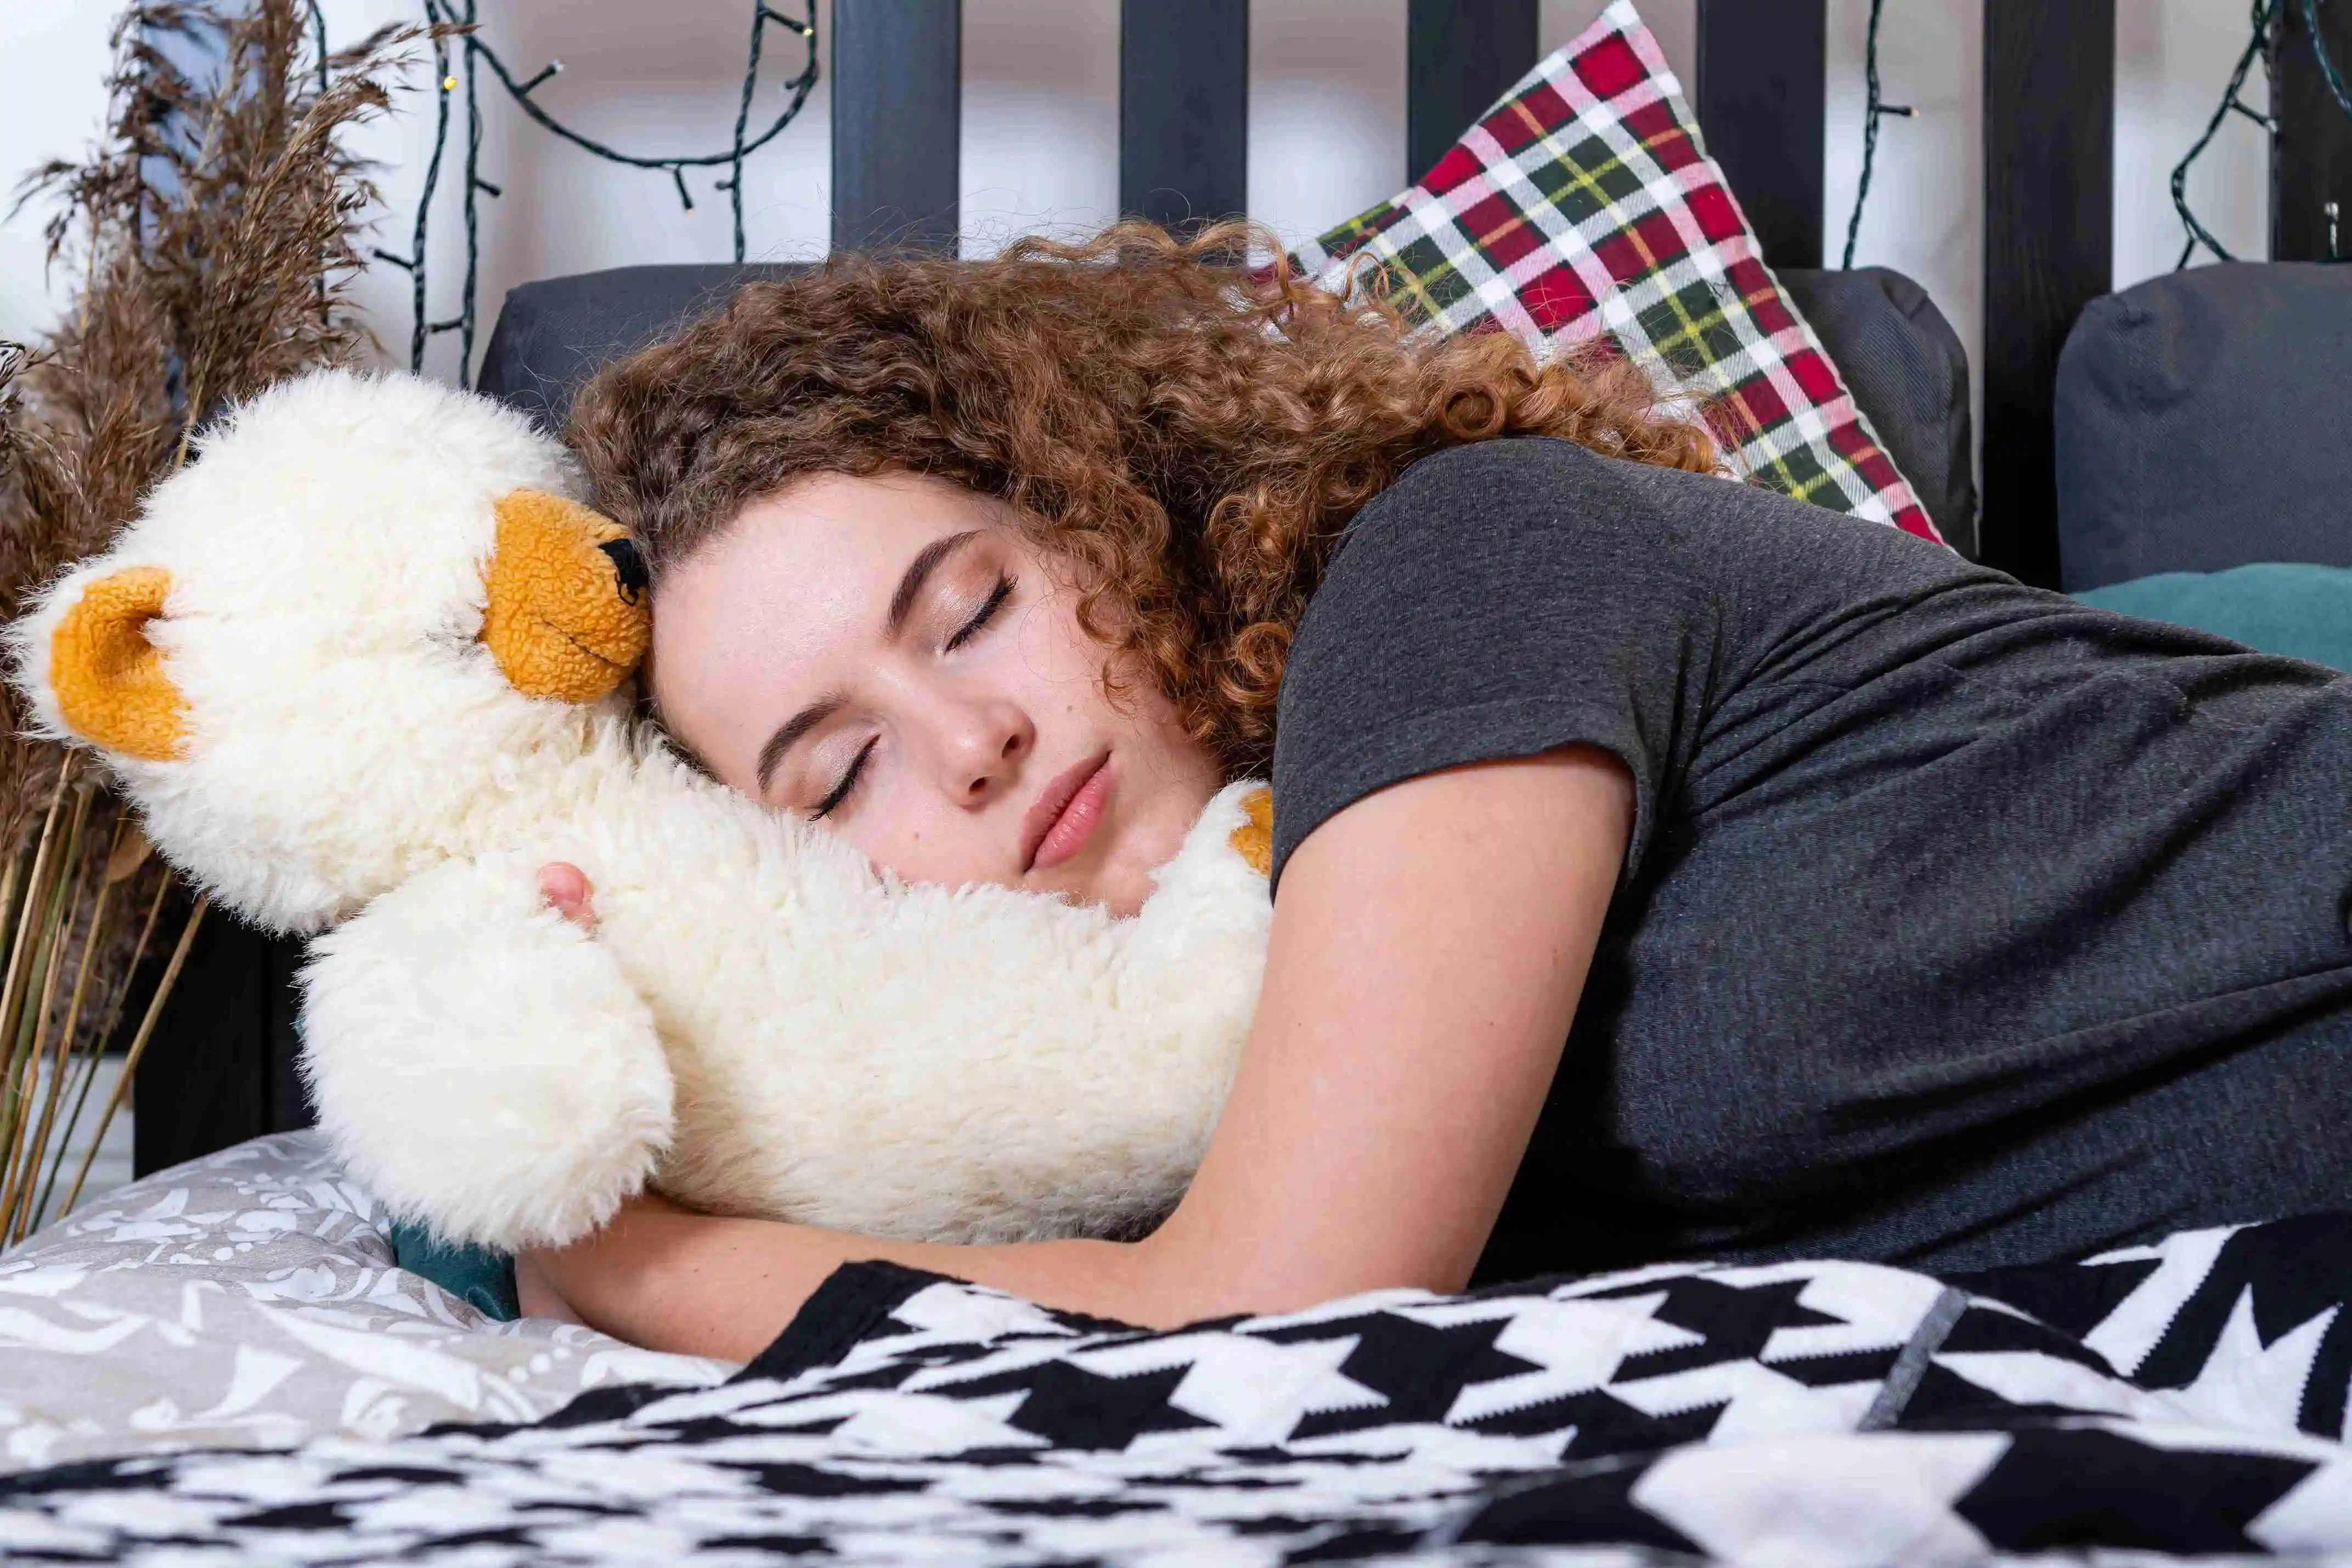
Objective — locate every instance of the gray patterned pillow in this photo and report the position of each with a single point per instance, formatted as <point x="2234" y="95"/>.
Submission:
<point x="250" y="1300"/>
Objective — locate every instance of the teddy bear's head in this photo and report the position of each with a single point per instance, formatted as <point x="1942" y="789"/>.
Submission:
<point x="367" y="602"/>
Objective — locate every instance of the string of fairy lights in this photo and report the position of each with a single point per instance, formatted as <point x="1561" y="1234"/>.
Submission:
<point x="1875" y="108"/>
<point x="2263" y="22"/>
<point x="456" y="33"/>
<point x="460" y="17"/>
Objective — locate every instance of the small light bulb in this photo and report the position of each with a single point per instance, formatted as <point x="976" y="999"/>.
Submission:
<point x="449" y="84"/>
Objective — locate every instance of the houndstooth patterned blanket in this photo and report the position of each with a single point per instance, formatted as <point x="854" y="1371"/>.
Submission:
<point x="2186" y="1398"/>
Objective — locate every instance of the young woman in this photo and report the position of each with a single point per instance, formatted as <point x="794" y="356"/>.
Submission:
<point x="1661" y="866"/>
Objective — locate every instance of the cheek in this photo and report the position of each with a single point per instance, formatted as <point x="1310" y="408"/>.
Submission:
<point x="908" y="828"/>
<point x="1068" y="667"/>
<point x="1050" y="663"/>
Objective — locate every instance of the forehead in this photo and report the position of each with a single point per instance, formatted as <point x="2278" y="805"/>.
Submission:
<point x="794" y="587"/>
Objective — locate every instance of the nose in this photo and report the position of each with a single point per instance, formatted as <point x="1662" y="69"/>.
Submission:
<point x="985" y="745"/>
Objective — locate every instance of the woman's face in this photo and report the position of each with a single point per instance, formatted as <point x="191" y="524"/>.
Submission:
<point x="891" y="657"/>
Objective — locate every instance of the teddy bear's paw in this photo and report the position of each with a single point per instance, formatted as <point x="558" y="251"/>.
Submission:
<point x="481" y="1065"/>
<point x="1217" y="883"/>
<point x="1254" y="839"/>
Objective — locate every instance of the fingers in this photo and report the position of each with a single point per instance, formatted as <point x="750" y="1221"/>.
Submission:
<point x="565" y="887"/>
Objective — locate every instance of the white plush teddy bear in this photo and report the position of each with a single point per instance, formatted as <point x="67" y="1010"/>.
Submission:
<point x="361" y="669"/>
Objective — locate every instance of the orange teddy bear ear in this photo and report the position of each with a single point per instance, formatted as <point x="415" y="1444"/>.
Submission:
<point x="1254" y="839"/>
<point x="108" y="679"/>
<point x="568" y="616"/>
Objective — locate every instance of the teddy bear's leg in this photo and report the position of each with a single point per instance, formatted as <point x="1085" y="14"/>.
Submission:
<point x="481" y="1064"/>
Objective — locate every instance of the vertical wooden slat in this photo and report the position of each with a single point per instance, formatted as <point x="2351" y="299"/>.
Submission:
<point x="898" y="102"/>
<point x="2049" y="169"/>
<point x="1183" y="109"/>
<point x="286" y="1104"/>
<point x="1460" y="56"/>
<point x="1761" y="99"/>
<point x="206" y="1080"/>
<point x="2311" y="161"/>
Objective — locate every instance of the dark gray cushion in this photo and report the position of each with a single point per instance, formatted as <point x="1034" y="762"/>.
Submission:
<point x="553" y="335"/>
<point x="1899" y="355"/>
<point x="1905" y="367"/>
<point x="2204" y="421"/>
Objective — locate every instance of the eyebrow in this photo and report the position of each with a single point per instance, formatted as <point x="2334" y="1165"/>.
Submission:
<point x="789" y="731"/>
<point x="902" y="604"/>
<point x="918" y="572"/>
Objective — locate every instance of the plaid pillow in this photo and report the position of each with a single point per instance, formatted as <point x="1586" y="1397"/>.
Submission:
<point x="1583" y="207"/>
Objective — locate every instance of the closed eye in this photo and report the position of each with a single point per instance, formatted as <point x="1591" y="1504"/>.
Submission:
<point x="842" y="790"/>
<point x="981" y="616"/>
<point x="848" y="781"/>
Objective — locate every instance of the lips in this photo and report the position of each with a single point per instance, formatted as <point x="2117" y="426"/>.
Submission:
<point x="1065" y="814"/>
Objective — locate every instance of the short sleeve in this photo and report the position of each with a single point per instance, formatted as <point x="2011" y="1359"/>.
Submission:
<point x="1500" y="600"/>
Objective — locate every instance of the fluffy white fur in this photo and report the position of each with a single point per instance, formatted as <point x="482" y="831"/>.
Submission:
<point x="760" y="1024"/>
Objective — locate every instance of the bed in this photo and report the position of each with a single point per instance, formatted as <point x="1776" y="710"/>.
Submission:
<point x="300" y="1401"/>
<point x="2186" y="1397"/>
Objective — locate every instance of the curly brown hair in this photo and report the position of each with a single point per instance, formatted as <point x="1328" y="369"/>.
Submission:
<point x="1188" y="432"/>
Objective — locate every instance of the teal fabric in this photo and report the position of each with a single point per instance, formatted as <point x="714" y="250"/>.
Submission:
<point x="2284" y="608"/>
<point x="481" y="1278"/>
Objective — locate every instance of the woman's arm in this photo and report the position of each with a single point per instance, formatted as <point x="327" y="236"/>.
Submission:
<point x="1427" y="952"/>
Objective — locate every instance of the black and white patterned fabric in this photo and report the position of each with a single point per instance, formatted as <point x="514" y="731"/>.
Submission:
<point x="2186" y="1399"/>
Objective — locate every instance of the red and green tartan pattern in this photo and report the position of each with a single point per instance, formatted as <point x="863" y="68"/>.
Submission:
<point x="1584" y="208"/>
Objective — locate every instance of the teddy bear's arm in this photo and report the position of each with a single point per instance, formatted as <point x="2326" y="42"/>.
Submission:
<point x="480" y="1063"/>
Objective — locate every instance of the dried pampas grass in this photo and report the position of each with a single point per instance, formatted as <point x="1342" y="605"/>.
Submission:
<point x="214" y="232"/>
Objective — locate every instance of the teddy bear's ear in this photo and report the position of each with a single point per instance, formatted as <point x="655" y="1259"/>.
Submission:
<point x="568" y="617"/>
<point x="108" y="679"/>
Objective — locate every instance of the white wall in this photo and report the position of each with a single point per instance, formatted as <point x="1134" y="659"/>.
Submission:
<point x="1041" y="120"/>
<point x="53" y="57"/>
<point x="2172" y="61"/>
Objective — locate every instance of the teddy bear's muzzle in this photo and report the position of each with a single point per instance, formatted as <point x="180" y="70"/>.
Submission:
<point x="567" y="617"/>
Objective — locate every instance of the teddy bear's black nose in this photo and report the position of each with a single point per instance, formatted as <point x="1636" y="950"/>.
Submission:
<point x="628" y="568"/>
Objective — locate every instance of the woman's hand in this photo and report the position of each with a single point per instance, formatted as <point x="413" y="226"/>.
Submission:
<point x="565" y="887"/>
<point x="567" y="891"/>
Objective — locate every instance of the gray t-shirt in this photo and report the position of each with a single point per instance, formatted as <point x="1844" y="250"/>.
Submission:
<point x="1961" y="923"/>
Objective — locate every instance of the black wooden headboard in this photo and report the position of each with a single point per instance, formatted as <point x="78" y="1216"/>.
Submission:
<point x="1759" y="92"/>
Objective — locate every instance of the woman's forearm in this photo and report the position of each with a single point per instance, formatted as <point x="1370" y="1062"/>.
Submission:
<point x="661" y="1277"/>
<point x="1427" y="956"/>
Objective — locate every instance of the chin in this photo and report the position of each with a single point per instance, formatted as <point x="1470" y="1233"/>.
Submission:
<point x="1123" y="890"/>
<point x="1138" y="846"/>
